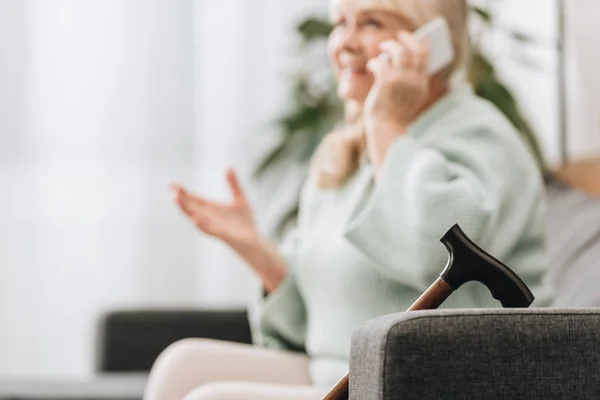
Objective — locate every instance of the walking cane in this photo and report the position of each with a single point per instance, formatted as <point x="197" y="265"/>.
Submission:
<point x="467" y="262"/>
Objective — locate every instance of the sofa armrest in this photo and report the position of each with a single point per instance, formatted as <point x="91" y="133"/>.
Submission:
<point x="476" y="354"/>
<point x="130" y="341"/>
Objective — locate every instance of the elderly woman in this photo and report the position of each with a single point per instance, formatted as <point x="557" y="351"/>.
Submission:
<point x="416" y="154"/>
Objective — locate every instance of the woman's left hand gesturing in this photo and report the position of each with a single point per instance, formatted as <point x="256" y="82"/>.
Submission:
<point x="399" y="93"/>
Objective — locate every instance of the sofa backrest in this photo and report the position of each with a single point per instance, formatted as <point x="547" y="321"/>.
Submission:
<point x="574" y="245"/>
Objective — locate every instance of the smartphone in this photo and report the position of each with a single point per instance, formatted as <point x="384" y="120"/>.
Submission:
<point x="437" y="32"/>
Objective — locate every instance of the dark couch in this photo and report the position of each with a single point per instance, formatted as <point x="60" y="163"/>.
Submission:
<point x="130" y="341"/>
<point x="464" y="354"/>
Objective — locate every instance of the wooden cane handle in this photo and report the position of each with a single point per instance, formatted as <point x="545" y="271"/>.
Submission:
<point x="430" y="300"/>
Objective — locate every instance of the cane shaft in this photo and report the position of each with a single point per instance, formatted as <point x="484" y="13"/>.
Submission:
<point x="340" y="391"/>
<point x="433" y="297"/>
<point x="430" y="300"/>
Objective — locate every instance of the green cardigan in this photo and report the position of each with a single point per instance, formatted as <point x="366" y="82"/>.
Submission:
<point x="371" y="248"/>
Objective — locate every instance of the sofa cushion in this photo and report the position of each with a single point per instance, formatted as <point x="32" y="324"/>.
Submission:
<point x="130" y="340"/>
<point x="574" y="245"/>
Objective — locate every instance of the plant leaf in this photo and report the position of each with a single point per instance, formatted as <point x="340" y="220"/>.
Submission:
<point x="480" y="67"/>
<point x="314" y="28"/>
<point x="484" y="14"/>
<point x="527" y="61"/>
<point x="522" y="37"/>
<point x="494" y="91"/>
<point x="269" y="159"/>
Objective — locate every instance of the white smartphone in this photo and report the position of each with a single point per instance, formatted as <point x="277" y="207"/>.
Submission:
<point x="437" y="32"/>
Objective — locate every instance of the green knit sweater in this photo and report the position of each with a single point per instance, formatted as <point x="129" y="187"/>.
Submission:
<point x="370" y="248"/>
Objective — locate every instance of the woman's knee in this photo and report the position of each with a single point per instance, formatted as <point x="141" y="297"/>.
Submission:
<point x="179" y="368"/>
<point x="184" y="351"/>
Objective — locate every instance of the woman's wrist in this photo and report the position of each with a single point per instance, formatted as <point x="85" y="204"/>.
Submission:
<point x="381" y="135"/>
<point x="265" y="260"/>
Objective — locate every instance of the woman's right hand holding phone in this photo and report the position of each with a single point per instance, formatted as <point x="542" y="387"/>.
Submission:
<point x="233" y="223"/>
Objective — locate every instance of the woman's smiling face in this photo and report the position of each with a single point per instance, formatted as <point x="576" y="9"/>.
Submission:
<point x="355" y="39"/>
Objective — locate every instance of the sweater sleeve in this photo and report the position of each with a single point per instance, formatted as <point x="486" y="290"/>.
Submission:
<point x="278" y="319"/>
<point x="420" y="193"/>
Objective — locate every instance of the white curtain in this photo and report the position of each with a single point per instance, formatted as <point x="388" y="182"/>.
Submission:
<point x="104" y="121"/>
<point x="535" y="82"/>
<point x="530" y="69"/>
<point x="103" y="103"/>
<point x="583" y="78"/>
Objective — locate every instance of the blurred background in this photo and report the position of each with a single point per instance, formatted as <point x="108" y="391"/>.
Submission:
<point x="104" y="103"/>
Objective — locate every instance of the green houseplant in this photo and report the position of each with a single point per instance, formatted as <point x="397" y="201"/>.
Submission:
<point x="315" y="108"/>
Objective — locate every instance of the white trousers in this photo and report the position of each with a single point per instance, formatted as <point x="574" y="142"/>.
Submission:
<point x="201" y="369"/>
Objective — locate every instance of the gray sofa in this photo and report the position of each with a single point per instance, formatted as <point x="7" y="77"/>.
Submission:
<point x="462" y="354"/>
<point x="499" y="354"/>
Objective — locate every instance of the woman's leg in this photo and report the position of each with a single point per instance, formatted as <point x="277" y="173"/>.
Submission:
<point x="254" y="391"/>
<point x="190" y="363"/>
